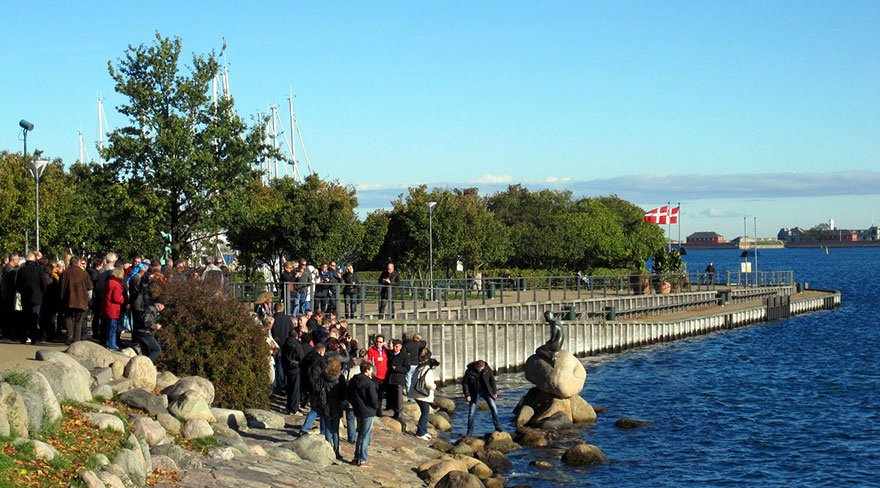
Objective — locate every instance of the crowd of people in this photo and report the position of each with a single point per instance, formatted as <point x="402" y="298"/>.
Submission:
<point x="42" y="300"/>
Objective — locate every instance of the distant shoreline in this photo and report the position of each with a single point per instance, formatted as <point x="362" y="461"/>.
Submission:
<point x="787" y="245"/>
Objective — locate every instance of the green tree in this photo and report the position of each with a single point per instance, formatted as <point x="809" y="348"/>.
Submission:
<point x="641" y="239"/>
<point x="179" y="150"/>
<point x="288" y="220"/>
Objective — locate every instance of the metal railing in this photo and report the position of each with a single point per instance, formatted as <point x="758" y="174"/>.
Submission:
<point x="382" y="301"/>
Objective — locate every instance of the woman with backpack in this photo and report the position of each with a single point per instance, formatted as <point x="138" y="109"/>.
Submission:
<point x="422" y="391"/>
<point x="331" y="399"/>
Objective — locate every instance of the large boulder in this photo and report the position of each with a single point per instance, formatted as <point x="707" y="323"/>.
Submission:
<point x="34" y="406"/>
<point x="150" y="430"/>
<point x="564" y="378"/>
<point x="104" y="421"/>
<point x="582" y="454"/>
<point x="232" y="418"/>
<point x="440" y="422"/>
<point x="121" y="384"/>
<point x="164" y="463"/>
<point x="282" y="454"/>
<point x="457" y="479"/>
<point x="495" y="460"/>
<point x="444" y="404"/>
<point x="581" y="411"/>
<point x="38" y="384"/>
<point x="43" y="451"/>
<point x="264" y="419"/>
<point x="183" y="458"/>
<point x="191" y="405"/>
<point x="433" y="472"/>
<point x="4" y="422"/>
<point x="66" y="382"/>
<point x="144" y="400"/>
<point x="191" y="383"/>
<point x="557" y="421"/>
<point x="501" y="441"/>
<point x="16" y="410"/>
<point x="169" y="423"/>
<point x="628" y="423"/>
<point x="165" y="379"/>
<point x="142" y="372"/>
<point x="58" y="357"/>
<point x="550" y="406"/>
<point x="102" y="391"/>
<point x="313" y="448"/>
<point x="133" y="463"/>
<point x="90" y="351"/>
<point x="102" y="376"/>
<point x="197" y="429"/>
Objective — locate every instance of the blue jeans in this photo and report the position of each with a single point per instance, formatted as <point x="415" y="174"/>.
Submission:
<point x="280" y="383"/>
<point x="472" y="409"/>
<point x="330" y="426"/>
<point x="310" y="419"/>
<point x="111" y="334"/>
<point x="350" y="425"/>
<point x="149" y="345"/>
<point x="302" y="303"/>
<point x="425" y="409"/>
<point x="409" y="376"/>
<point x="364" y="424"/>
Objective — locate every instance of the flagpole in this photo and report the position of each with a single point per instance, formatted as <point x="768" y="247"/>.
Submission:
<point x="678" y="221"/>
<point x="668" y="228"/>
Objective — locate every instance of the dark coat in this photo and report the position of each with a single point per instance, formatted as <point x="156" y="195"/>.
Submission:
<point x="474" y="383"/>
<point x="312" y="366"/>
<point x="413" y="348"/>
<point x="363" y="395"/>
<point x="75" y="286"/>
<point x="292" y="354"/>
<point x="282" y="327"/>
<point x="31" y="283"/>
<point x="9" y="273"/>
<point x="398" y="367"/>
<point x="350" y="279"/>
<point x="336" y="395"/>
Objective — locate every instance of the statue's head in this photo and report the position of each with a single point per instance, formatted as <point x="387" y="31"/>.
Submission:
<point x="549" y="316"/>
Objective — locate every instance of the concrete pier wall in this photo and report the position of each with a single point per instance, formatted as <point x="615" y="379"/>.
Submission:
<point x="506" y="344"/>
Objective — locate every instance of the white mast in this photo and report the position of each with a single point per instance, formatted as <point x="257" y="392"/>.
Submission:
<point x="100" y="130"/>
<point x="81" y="160"/>
<point x="275" y="139"/>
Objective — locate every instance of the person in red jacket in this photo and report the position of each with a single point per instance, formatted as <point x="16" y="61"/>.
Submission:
<point x="378" y="355"/>
<point x="111" y="308"/>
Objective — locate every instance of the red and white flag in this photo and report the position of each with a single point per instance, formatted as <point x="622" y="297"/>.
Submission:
<point x="658" y="215"/>
<point x="673" y="215"/>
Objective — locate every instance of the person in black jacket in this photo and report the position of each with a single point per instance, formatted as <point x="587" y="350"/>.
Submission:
<point x="389" y="279"/>
<point x="398" y="367"/>
<point x="349" y="291"/>
<point x="364" y="399"/>
<point x="314" y="365"/>
<point x="332" y="402"/>
<point x="479" y="381"/>
<point x="413" y="347"/>
<point x="280" y="332"/>
<point x="31" y="283"/>
<point x="292" y="354"/>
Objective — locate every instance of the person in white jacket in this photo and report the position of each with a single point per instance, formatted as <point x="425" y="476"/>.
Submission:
<point x="424" y="377"/>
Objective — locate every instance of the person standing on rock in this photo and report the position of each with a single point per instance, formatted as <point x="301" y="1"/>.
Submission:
<point x="364" y="398"/>
<point x="149" y="324"/>
<point x="314" y="366"/>
<point x="31" y="284"/>
<point x="479" y="381"/>
<point x="75" y="287"/>
<point x="424" y="375"/>
<point x="378" y="355"/>
<point x="413" y="346"/>
<point x="398" y="367"/>
<point x="292" y="354"/>
<point x="332" y="402"/>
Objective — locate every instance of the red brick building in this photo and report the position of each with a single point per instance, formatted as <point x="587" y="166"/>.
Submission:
<point x="705" y="238"/>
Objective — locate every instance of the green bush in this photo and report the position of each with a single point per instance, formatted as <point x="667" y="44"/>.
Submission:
<point x="205" y="334"/>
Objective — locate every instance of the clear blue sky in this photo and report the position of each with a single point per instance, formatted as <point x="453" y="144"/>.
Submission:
<point x="754" y="108"/>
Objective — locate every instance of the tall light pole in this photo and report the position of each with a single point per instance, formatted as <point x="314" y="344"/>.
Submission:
<point x="431" y="206"/>
<point x="37" y="167"/>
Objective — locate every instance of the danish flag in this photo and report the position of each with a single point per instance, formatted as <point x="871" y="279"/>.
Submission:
<point x="658" y="215"/>
<point x="673" y="216"/>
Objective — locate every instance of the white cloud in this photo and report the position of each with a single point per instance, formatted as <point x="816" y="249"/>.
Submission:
<point x="719" y="213"/>
<point x="491" y="179"/>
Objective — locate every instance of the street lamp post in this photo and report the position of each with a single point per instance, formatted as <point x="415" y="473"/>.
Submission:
<point x="37" y="167"/>
<point x="431" y="206"/>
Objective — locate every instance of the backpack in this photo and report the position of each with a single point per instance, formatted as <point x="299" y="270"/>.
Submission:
<point x="420" y="386"/>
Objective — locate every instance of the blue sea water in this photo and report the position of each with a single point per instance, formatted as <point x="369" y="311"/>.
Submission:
<point x="793" y="402"/>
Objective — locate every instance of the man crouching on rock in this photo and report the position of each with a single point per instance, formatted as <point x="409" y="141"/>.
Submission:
<point x="364" y="399"/>
<point x="479" y="381"/>
<point x="144" y="334"/>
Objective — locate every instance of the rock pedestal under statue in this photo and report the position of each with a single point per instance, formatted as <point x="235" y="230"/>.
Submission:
<point x="555" y="402"/>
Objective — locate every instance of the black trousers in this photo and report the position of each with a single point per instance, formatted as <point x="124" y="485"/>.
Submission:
<point x="293" y="394"/>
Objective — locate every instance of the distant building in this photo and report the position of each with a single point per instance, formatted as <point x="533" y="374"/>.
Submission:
<point x="705" y="238"/>
<point x="870" y="234"/>
<point x="795" y="234"/>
